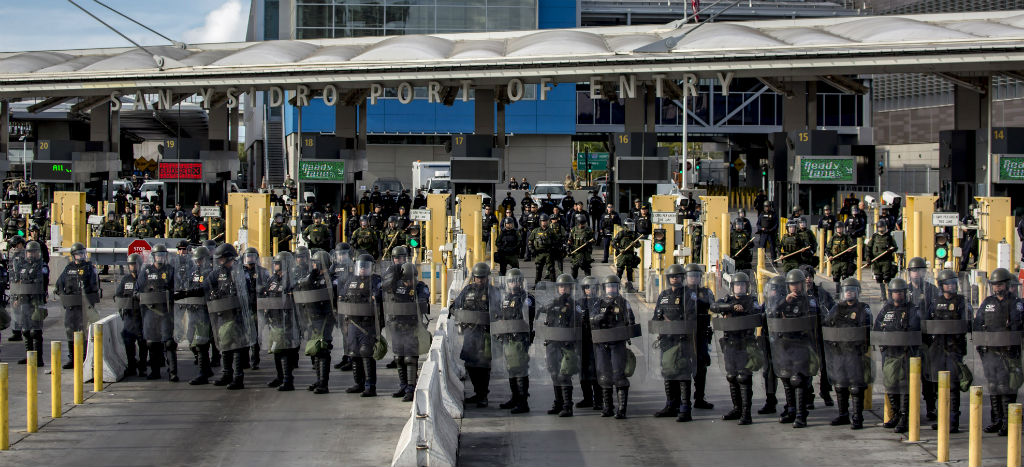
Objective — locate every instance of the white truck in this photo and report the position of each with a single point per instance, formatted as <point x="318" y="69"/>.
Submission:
<point x="426" y="174"/>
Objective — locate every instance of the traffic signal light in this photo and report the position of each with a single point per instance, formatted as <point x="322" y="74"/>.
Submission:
<point x="881" y="168"/>
<point x="764" y="168"/>
<point x="658" y="240"/>
<point x="942" y="247"/>
<point x="414" y="236"/>
<point x="697" y="167"/>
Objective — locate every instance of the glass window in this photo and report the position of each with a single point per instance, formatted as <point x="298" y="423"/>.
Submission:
<point x="313" y="16"/>
<point x="584" y="109"/>
<point x="509" y="19"/>
<point x="461" y="19"/>
<point x="618" y="112"/>
<point x="271" y="18"/>
<point x="409" y="17"/>
<point x="768" y="101"/>
<point x="312" y="33"/>
<point x="359" y="16"/>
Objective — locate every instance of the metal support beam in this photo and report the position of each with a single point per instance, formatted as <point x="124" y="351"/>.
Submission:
<point x="47" y="104"/>
<point x="847" y="85"/>
<point x="777" y="86"/>
<point x="89" y="103"/>
<point x="742" y="106"/>
<point x="961" y="82"/>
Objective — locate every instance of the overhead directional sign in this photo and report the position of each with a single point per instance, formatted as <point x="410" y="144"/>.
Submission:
<point x="838" y="170"/>
<point x="419" y="215"/>
<point x="1011" y="169"/>
<point x="945" y="219"/>
<point x="319" y="170"/>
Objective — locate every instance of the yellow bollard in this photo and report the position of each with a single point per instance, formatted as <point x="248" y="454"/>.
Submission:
<point x="860" y="256"/>
<point x="344" y="222"/>
<point x="433" y="281"/>
<point x="974" y="437"/>
<point x="914" y="414"/>
<point x="886" y="410"/>
<point x="5" y="425"/>
<point x="79" y="358"/>
<point x="55" y="376"/>
<point x="494" y="238"/>
<point x="444" y="283"/>
<point x="97" y="358"/>
<point x="31" y="400"/>
<point x="1013" y="433"/>
<point x="943" y="399"/>
<point x="868" y="398"/>
<point x="273" y="245"/>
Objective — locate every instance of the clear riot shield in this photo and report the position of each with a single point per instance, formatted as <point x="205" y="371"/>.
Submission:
<point x="511" y="329"/>
<point x="792" y="330"/>
<point x="125" y="299"/>
<point x="78" y="289"/>
<point x="615" y="332"/>
<point x="155" y="289"/>
<point x="996" y="334"/>
<point x="845" y="331"/>
<point x="472" y="309"/>
<point x="671" y="343"/>
<point x="195" y="319"/>
<point x="735" y="320"/>
<point x="558" y="326"/>
<point x="921" y="287"/>
<point x="896" y="334"/>
<point x="358" y="304"/>
<point x="229" y="311"/>
<point x="277" y="318"/>
<point x="183" y="271"/>
<point x="406" y="308"/>
<point x="945" y="324"/>
<point x="28" y="290"/>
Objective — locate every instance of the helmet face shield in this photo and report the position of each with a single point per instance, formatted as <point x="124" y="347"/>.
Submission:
<point x="251" y="258"/>
<point x="364" y="268"/>
<point x="796" y="287"/>
<point x="950" y="286"/>
<point x="850" y="293"/>
<point x="611" y="289"/>
<point x="693" y="278"/>
<point x="159" y="257"/>
<point x="80" y="256"/>
<point x="740" y="288"/>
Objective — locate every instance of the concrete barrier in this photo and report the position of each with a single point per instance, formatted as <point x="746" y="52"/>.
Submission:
<point x="115" y="361"/>
<point x="431" y="436"/>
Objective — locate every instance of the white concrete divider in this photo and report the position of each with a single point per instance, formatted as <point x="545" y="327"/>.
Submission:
<point x="431" y="437"/>
<point x="115" y="361"/>
<point x="452" y="388"/>
<point x="448" y="328"/>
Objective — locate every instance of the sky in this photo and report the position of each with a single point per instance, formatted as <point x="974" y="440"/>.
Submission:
<point x="57" y="24"/>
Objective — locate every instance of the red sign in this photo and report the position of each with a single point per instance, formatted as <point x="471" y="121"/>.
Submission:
<point x="140" y="246"/>
<point x="181" y="170"/>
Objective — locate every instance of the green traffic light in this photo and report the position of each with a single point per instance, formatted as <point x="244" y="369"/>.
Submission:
<point x="659" y="248"/>
<point x="414" y="243"/>
<point x="21" y="232"/>
<point x="941" y="253"/>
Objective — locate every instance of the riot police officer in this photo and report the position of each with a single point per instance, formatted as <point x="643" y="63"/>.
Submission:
<point x="677" y="344"/>
<point x="699" y="298"/>
<point x="365" y="239"/>
<point x="844" y="331"/>
<point x="945" y="324"/>
<point x="279" y="317"/>
<point x="155" y="288"/>
<point x="794" y="347"/>
<point x="612" y="325"/>
<point x="29" y="278"/>
<point x="528" y="221"/>
<point x="393" y="237"/>
<point x="768" y="228"/>
<point x="511" y="326"/>
<point x="580" y="251"/>
<point x="792" y="247"/>
<point x="828" y="221"/>
<point x="406" y="306"/>
<point x="198" y="331"/>
<point x="281" y="233"/>
<point x="471" y="310"/>
<point x="78" y="288"/>
<point x="900" y="316"/>
<point x="606" y="228"/>
<point x="1000" y="357"/>
<point x="880" y="253"/>
<point x="128" y="308"/>
<point x="180" y="228"/>
<point x="143" y="225"/>
<point x="560" y="332"/>
<point x="741" y="218"/>
<point x="841" y="252"/>
<point x="508" y="246"/>
<point x="360" y="303"/>
<point x="626" y="259"/>
<point x="543" y="243"/>
<point x="255" y="275"/>
<point x="111" y="226"/>
<point x="588" y="373"/>
<point x="229" y="316"/>
<point x="317" y="235"/>
<point x="741" y="246"/>
<point x="739" y="317"/>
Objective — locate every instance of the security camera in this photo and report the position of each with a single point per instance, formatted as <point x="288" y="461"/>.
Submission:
<point x="869" y="199"/>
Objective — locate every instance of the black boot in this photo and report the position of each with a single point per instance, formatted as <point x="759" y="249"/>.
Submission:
<point x="857" y="419"/>
<point x="254" y="360"/>
<point x="734" y="394"/>
<point x="523" y="402"/>
<point x="37" y="340"/>
<point x="843" y="395"/>
<point x="894" y="411"/>
<point x="412" y="369"/>
<point x="278" y="369"/>
<point x="345" y="364"/>
<point x="826" y="396"/>
<point x="316" y="377"/>
<point x="479" y="393"/>
<point x="204" y="366"/>
<point x="672" y="394"/>
<point x="215" y="356"/>
<point x="403" y="379"/>
<point x="288" y="360"/>
<point x="511" y="402"/>
<point x="556" y="406"/>
<point x="588" y="395"/>
<point x="143" y="357"/>
<point x="226" y="370"/>
<point x="129" y="351"/>
<point x="746" y="394"/>
<point x="930" y="390"/>
<point x="156" y="354"/>
<point x="699" y="382"/>
<point x="483" y="388"/>
<point x="1007" y="400"/>
<point x="15" y="336"/>
<point x="28" y="347"/>
<point x="770" y="404"/>
<point x="238" y="379"/>
<point x="598" y="396"/>
<point x="996" y="410"/>
<point x="803" y="396"/>
<point x="171" y="357"/>
<point x="789" y="413"/>
<point x="323" y="369"/>
<point x="567" y="407"/>
<point x="685" y="407"/>
<point x="71" y="357"/>
<point x="370" y="367"/>
<point x="904" y="423"/>
<point x="954" y="411"/>
<point x="392" y="364"/>
<point x="608" y="405"/>
<point x="623" y="395"/>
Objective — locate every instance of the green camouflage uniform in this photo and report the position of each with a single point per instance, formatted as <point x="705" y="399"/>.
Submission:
<point x="283" y="234"/>
<point x="365" y="239"/>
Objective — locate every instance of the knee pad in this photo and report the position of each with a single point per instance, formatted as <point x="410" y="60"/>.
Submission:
<point x="796" y="380"/>
<point x="744" y="379"/>
<point x="731" y="378"/>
